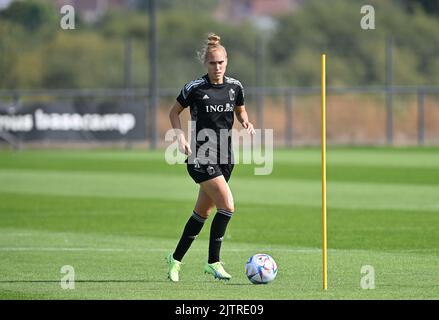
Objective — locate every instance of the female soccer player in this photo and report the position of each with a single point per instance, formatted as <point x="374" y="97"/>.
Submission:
<point x="213" y="99"/>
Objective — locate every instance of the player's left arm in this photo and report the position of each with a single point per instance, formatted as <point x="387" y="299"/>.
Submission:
<point x="242" y="116"/>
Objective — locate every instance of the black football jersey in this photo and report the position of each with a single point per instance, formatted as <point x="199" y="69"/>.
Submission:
<point x="212" y="107"/>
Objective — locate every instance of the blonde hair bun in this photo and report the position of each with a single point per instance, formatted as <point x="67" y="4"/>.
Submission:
<point x="213" y="40"/>
<point x="212" y="43"/>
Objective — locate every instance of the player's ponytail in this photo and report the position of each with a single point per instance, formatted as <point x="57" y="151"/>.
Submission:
<point x="212" y="43"/>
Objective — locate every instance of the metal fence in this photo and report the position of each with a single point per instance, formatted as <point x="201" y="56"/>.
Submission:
<point x="396" y="115"/>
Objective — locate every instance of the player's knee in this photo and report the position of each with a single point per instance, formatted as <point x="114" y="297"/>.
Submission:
<point x="230" y="207"/>
<point x="205" y="213"/>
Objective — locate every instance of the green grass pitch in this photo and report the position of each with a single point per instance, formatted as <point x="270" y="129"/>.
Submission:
<point x="114" y="215"/>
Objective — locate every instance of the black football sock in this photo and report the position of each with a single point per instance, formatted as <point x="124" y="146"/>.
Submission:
<point x="217" y="231"/>
<point x="190" y="232"/>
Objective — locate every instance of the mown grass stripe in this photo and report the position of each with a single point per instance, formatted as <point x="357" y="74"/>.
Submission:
<point x="340" y="195"/>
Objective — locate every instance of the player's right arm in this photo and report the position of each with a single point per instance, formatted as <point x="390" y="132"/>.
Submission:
<point x="174" y="117"/>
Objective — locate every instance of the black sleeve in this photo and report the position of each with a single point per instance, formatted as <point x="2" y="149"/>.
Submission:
<point x="240" y="96"/>
<point x="183" y="98"/>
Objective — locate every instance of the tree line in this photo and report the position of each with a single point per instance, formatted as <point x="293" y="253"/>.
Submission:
<point x="36" y="53"/>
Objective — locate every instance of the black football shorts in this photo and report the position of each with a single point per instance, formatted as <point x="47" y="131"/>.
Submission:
<point x="203" y="172"/>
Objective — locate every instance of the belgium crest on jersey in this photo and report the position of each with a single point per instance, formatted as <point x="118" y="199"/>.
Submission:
<point x="232" y="94"/>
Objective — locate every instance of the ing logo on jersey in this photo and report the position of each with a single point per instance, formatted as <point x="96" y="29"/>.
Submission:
<point x="219" y="108"/>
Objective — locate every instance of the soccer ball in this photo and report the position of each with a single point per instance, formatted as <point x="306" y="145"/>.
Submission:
<point x="261" y="268"/>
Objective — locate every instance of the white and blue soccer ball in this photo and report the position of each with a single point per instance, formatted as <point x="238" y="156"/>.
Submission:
<point x="261" y="268"/>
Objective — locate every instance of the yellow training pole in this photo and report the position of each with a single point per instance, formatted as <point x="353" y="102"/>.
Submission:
<point x="324" y="226"/>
